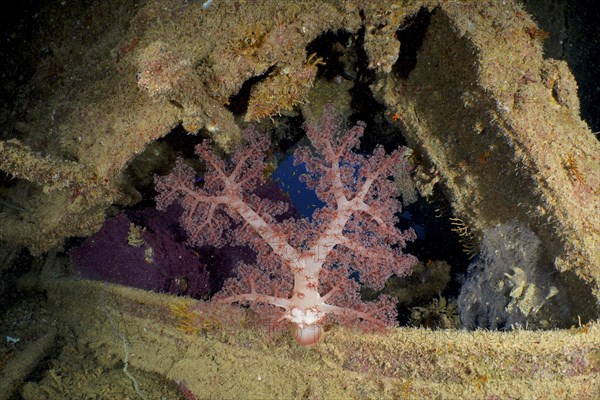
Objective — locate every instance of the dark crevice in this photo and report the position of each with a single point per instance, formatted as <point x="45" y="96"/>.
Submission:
<point x="238" y="103"/>
<point x="410" y="34"/>
<point x="335" y="50"/>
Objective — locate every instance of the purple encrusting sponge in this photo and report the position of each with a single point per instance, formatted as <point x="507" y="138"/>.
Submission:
<point x="148" y="254"/>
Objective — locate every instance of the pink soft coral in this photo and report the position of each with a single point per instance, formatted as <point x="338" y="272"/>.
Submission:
<point x="303" y="265"/>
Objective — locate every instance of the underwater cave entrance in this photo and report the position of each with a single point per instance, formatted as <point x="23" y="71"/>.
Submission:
<point x="343" y="74"/>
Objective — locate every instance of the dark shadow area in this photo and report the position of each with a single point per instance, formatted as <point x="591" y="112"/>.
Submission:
<point x="238" y="103"/>
<point x="411" y="35"/>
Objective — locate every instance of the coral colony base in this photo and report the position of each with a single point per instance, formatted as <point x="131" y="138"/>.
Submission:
<point x="310" y="268"/>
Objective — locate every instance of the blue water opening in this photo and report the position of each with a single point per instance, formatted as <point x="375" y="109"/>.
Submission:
<point x="287" y="175"/>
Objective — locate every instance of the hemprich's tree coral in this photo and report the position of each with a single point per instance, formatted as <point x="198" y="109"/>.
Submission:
<point x="303" y="265"/>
